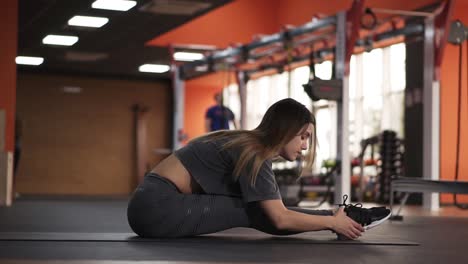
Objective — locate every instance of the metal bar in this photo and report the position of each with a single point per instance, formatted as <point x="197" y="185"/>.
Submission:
<point x="266" y="52"/>
<point x="179" y="101"/>
<point x="408" y="30"/>
<point x="402" y="203"/>
<point x="312" y="39"/>
<point x="178" y="93"/>
<point x="306" y="28"/>
<point x="241" y="84"/>
<point x="347" y="26"/>
<point x="313" y="26"/>
<point x="229" y="52"/>
<point x="418" y="185"/>
<point x="431" y="116"/>
<point x="401" y="12"/>
<point x="343" y="179"/>
<point x="264" y="41"/>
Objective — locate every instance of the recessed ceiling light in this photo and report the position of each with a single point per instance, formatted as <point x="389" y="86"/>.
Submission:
<point x="187" y="56"/>
<point x="155" y="68"/>
<point x="88" y="21"/>
<point x="60" y="40"/>
<point x="117" y="5"/>
<point x="27" y="60"/>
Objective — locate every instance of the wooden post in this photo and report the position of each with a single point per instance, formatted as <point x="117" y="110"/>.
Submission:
<point x="141" y="142"/>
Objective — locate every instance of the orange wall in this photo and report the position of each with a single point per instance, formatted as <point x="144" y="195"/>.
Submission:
<point x="449" y="101"/>
<point x="8" y="17"/>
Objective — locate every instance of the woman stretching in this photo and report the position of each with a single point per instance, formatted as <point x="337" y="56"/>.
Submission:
<point x="225" y="179"/>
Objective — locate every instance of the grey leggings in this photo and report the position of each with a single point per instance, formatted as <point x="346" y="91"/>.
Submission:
<point x="158" y="209"/>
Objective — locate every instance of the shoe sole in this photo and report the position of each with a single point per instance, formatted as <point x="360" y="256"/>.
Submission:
<point x="378" y="222"/>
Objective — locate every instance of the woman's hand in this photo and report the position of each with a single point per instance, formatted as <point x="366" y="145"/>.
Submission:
<point x="345" y="225"/>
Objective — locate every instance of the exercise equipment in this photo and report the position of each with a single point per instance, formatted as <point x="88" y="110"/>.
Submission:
<point x="343" y="31"/>
<point x="458" y="35"/>
<point x="391" y="162"/>
<point x="318" y="89"/>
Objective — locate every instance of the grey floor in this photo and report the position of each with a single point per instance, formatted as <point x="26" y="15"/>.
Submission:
<point x="434" y="239"/>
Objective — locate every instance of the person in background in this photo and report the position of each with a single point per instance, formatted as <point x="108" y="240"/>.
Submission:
<point x="218" y="116"/>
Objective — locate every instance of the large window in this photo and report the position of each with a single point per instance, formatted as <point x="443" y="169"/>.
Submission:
<point x="376" y="90"/>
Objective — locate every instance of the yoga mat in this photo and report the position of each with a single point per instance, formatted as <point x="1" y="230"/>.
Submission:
<point x="212" y="238"/>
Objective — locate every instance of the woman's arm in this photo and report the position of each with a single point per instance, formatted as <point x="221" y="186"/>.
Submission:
<point x="284" y="219"/>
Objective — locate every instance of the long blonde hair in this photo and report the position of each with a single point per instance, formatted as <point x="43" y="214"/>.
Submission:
<point x="280" y="124"/>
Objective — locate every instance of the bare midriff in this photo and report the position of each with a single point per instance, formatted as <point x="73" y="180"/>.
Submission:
<point x="172" y="169"/>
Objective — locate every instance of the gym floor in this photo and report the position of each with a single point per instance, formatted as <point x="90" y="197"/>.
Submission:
<point x="85" y="230"/>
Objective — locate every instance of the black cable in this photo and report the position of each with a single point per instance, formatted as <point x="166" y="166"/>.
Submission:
<point x="457" y="158"/>
<point x="312" y="63"/>
<point x="330" y="181"/>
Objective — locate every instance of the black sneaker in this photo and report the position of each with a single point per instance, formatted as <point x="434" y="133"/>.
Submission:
<point x="367" y="217"/>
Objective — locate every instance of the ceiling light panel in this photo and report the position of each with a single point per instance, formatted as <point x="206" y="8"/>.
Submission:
<point x="27" y="60"/>
<point x="187" y="56"/>
<point x="88" y="21"/>
<point x="60" y="40"/>
<point x="117" y="5"/>
<point x="154" y="68"/>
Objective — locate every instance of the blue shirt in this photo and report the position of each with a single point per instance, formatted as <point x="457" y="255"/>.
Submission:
<point x="218" y="120"/>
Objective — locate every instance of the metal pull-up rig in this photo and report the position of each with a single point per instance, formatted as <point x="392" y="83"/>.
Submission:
<point x="334" y="37"/>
